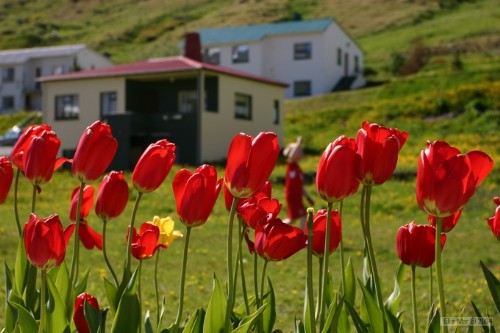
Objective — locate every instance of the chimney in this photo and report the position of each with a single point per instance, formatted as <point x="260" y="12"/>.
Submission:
<point x="192" y="46"/>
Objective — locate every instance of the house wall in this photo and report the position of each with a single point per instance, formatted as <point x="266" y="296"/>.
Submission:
<point x="218" y="128"/>
<point x="12" y="88"/>
<point x="88" y="91"/>
<point x="254" y="65"/>
<point x="88" y="59"/>
<point x="281" y="65"/>
<point x="335" y="38"/>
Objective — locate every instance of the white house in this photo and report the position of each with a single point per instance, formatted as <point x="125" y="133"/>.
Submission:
<point x="196" y="105"/>
<point x="19" y="70"/>
<point x="312" y="56"/>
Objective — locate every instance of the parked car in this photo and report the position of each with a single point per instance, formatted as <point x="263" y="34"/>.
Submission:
<point x="12" y="134"/>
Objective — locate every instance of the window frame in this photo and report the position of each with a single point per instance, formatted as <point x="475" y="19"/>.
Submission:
<point x="101" y="100"/>
<point x="302" y="51"/>
<point x="211" y="55"/>
<point x="8" y="74"/>
<point x="239" y="56"/>
<point x="61" y="114"/>
<point x="308" y="92"/>
<point x="277" y="112"/>
<point x="11" y="99"/>
<point x="247" y="115"/>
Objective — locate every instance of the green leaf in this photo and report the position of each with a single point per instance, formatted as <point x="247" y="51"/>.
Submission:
<point x="486" y="328"/>
<point x="56" y="310"/>
<point x="350" y="287"/>
<point x="93" y="317"/>
<point x="343" y="322"/>
<point x="81" y="284"/>
<point x="128" y="318"/>
<point x="148" y="327"/>
<point x="356" y="319"/>
<point x="21" y="266"/>
<point x="31" y="294"/>
<point x="493" y="285"/>
<point x="111" y="291"/>
<point x="299" y="327"/>
<point x="195" y="323"/>
<point x="392" y="302"/>
<point x="26" y="321"/>
<point x="62" y="281"/>
<point x="374" y="313"/>
<point x="308" y="325"/>
<point x="249" y="321"/>
<point x="434" y="320"/>
<point x="332" y="319"/>
<point x="216" y="310"/>
<point x="10" y="314"/>
<point x="269" y="314"/>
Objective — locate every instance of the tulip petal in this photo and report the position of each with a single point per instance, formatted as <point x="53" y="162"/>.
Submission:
<point x="481" y="165"/>
<point x="237" y="173"/>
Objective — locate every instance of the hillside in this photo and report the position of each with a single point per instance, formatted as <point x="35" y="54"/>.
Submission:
<point x="133" y="30"/>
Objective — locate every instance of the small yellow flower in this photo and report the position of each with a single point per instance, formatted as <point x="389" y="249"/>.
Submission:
<point x="167" y="232"/>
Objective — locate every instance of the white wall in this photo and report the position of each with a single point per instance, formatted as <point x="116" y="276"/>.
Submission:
<point x="254" y="65"/>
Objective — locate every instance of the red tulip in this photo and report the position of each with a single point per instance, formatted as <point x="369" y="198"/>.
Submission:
<point x="494" y="221"/>
<point x="39" y="160"/>
<point x="264" y="192"/>
<point x="377" y="153"/>
<point x="86" y="205"/>
<point x="259" y="211"/>
<point x="145" y="243"/>
<point x="112" y="196"/>
<point x="22" y="144"/>
<point x="319" y="231"/>
<point x="6" y="175"/>
<point x="416" y="244"/>
<point x="88" y="236"/>
<point x="45" y="241"/>
<point x="447" y="179"/>
<point x="447" y="223"/>
<point x="277" y="240"/>
<point x="250" y="162"/>
<point x="153" y="166"/>
<point x="79" y="311"/>
<point x="335" y="178"/>
<point x="195" y="194"/>
<point x="94" y="153"/>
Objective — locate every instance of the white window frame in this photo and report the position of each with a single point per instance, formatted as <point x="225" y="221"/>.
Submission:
<point x="242" y="106"/>
<point x="109" y="103"/>
<point x="67" y="107"/>
<point x="240" y="54"/>
<point x="302" y="51"/>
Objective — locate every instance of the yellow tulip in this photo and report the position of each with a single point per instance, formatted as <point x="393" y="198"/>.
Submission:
<point x="167" y="232"/>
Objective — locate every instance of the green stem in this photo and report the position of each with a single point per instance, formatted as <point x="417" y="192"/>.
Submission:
<point x="310" y="292"/>
<point x="320" y="285"/>
<point x="140" y="294"/>
<point x="439" y="274"/>
<point x="242" y="269"/>
<point x="183" y="277"/>
<point x="74" y="261"/>
<point x="255" y="279"/>
<point x="106" y="259"/>
<point x="43" y="305"/>
<point x="16" y="211"/>
<point x="263" y="279"/>
<point x="431" y="286"/>
<point x="414" y="299"/>
<point x="326" y="254"/>
<point x="230" y="297"/>
<point x="33" y="199"/>
<point x="371" y="252"/>
<point x="131" y="227"/>
<point x="157" y="294"/>
<point x="342" y="261"/>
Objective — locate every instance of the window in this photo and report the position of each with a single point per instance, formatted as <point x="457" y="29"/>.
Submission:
<point x="188" y="101"/>
<point x="243" y="106"/>
<point x="356" y="64"/>
<point x="38" y="73"/>
<point x="108" y="103"/>
<point x="302" y="88"/>
<point x="302" y="51"/>
<point x="8" y="74"/>
<point x="58" y="70"/>
<point x="67" y="107"/>
<point x="240" y="54"/>
<point x="212" y="55"/>
<point x="339" y="56"/>
<point x="276" y="112"/>
<point x="8" y="103"/>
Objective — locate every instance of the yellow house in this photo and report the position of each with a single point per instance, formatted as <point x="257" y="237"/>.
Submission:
<point x="196" y="105"/>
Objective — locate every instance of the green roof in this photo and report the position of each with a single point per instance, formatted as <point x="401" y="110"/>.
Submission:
<point x="252" y="33"/>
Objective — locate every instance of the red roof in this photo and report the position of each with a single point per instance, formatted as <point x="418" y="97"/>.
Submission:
<point x="156" y="66"/>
